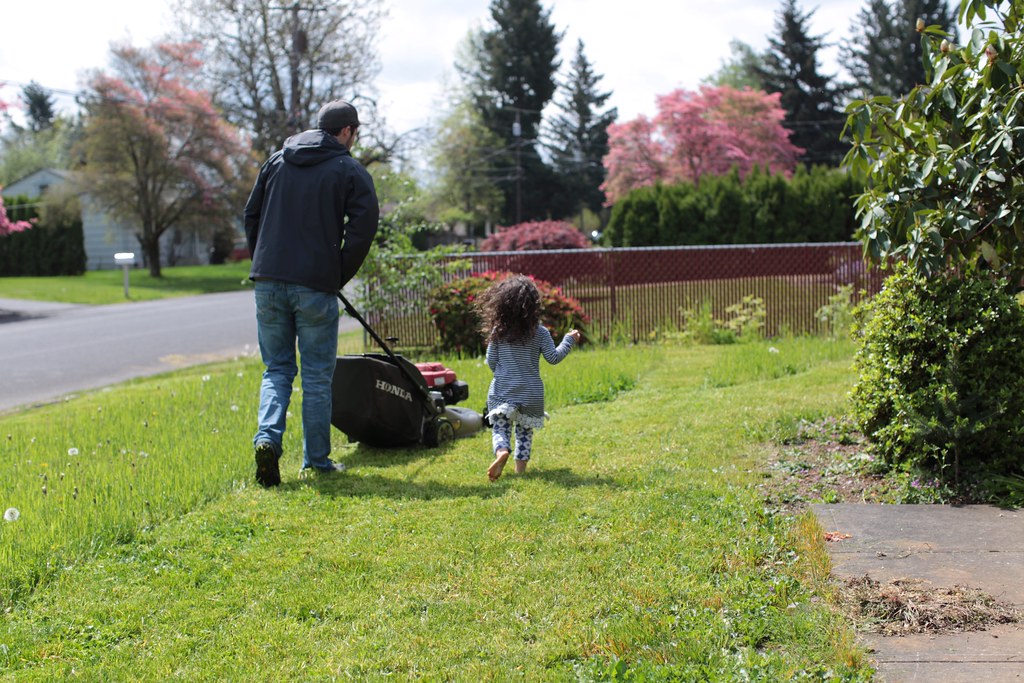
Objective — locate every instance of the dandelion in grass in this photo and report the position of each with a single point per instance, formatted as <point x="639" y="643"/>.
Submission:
<point x="72" y="451"/>
<point x="11" y="515"/>
<point x="234" y="408"/>
<point x="206" y="378"/>
<point x="772" y="349"/>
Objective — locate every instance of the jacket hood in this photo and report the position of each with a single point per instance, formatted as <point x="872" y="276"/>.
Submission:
<point x="312" y="147"/>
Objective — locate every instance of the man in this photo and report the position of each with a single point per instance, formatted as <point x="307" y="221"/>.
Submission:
<point x="309" y="223"/>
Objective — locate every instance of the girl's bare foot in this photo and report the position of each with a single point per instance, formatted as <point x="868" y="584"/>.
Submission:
<point x="521" y="466"/>
<point x="500" y="458"/>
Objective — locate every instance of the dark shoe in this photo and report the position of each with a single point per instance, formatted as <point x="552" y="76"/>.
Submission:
<point x="334" y="467"/>
<point x="267" y="472"/>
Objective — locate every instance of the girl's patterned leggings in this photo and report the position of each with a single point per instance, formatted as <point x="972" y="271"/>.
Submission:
<point x="501" y="429"/>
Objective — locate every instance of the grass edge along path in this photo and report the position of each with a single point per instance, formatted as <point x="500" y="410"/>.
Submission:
<point x="636" y="546"/>
<point x="107" y="286"/>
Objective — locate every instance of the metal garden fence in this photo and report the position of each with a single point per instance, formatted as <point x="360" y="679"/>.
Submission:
<point x="635" y="292"/>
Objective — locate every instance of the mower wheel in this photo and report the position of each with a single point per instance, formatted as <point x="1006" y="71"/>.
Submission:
<point x="439" y="432"/>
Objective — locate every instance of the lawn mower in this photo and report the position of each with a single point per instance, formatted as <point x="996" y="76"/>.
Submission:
<point x="384" y="400"/>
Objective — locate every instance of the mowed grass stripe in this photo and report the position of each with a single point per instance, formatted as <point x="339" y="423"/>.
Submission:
<point x="637" y="542"/>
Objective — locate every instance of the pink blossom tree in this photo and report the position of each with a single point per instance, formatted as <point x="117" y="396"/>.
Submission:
<point x="158" y="154"/>
<point x="635" y="158"/>
<point x="694" y="134"/>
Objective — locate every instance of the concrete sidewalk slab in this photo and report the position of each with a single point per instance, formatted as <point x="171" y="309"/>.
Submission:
<point x="978" y="546"/>
<point x="996" y="654"/>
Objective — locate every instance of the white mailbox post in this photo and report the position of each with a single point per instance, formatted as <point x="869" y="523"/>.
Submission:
<point x="126" y="259"/>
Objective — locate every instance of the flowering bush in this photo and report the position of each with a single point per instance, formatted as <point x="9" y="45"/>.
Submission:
<point x="454" y="311"/>
<point x="7" y="226"/>
<point x="535" y="236"/>
<point x="34" y="245"/>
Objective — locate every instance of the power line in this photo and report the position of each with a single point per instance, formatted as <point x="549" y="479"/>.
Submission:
<point x="22" y="85"/>
<point x="81" y="96"/>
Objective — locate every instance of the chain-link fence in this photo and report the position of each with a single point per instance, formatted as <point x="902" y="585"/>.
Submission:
<point x="635" y="292"/>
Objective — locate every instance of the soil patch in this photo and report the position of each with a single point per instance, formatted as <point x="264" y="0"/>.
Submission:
<point x="830" y="462"/>
<point x="823" y="463"/>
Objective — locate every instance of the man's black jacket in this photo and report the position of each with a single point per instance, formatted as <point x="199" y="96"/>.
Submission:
<point x="312" y="214"/>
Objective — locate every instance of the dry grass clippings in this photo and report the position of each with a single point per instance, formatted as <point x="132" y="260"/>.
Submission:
<point x="911" y="606"/>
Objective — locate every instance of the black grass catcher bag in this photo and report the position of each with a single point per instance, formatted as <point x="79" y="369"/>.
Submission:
<point x="376" y="403"/>
<point x="384" y="401"/>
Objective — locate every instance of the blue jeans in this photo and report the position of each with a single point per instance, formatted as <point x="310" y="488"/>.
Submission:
<point x="286" y="312"/>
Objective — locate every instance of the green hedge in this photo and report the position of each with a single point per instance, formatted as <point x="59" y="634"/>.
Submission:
<point x="813" y="206"/>
<point x="42" y="250"/>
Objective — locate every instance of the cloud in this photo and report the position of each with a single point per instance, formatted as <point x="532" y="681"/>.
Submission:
<point x="643" y="48"/>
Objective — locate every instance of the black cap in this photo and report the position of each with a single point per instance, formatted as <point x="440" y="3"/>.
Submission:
<point x="337" y="115"/>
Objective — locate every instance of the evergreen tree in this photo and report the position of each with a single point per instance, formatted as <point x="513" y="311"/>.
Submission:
<point x="883" y="54"/>
<point x="38" y="106"/>
<point x="811" y="100"/>
<point x="577" y="136"/>
<point x="518" y="64"/>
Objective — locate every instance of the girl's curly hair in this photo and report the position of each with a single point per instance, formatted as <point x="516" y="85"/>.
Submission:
<point x="510" y="310"/>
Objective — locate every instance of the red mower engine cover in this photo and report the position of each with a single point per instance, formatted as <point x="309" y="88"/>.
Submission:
<point x="440" y="378"/>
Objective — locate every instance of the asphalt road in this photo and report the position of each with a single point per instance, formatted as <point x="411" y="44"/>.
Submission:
<point x="48" y="351"/>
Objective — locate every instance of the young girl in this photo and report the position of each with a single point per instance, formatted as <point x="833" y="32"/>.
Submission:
<point x="515" y="342"/>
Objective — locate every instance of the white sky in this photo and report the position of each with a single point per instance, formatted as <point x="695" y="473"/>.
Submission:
<point x="643" y="48"/>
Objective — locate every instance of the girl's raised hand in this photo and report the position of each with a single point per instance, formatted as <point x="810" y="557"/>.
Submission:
<point x="575" y="334"/>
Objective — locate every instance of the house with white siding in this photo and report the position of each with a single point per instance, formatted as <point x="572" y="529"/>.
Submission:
<point x="104" y="235"/>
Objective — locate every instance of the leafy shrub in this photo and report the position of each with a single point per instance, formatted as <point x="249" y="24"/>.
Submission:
<point x="744" y="321"/>
<point x="453" y="310"/>
<point x="54" y="245"/>
<point x="395" y="266"/>
<point x="535" y="236"/>
<point x="837" y="314"/>
<point x="941" y="374"/>
<point x="701" y="327"/>
<point x="746" y="318"/>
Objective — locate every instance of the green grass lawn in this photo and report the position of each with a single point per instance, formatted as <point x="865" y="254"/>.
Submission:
<point x="636" y="547"/>
<point x="107" y="286"/>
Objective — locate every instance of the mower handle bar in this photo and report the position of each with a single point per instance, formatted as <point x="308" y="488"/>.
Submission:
<point x="424" y="392"/>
